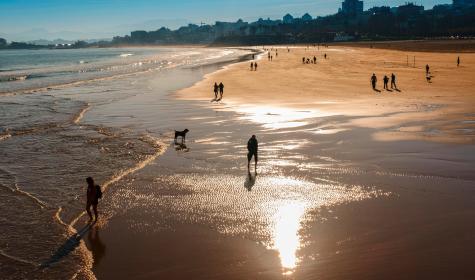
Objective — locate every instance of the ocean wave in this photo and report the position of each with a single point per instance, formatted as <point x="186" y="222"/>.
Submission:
<point x="126" y="55"/>
<point x="13" y="78"/>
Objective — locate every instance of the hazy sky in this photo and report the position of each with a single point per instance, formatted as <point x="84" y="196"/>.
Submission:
<point x="102" y="18"/>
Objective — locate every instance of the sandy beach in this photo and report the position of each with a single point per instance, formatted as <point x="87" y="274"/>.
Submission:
<point x="351" y="184"/>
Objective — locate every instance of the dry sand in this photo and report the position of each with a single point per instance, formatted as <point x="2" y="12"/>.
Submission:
<point x="351" y="184"/>
<point x="340" y="85"/>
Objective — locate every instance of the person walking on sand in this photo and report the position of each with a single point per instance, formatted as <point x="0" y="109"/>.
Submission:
<point x="427" y="69"/>
<point x="221" y="90"/>
<point x="252" y="147"/>
<point x="393" y="81"/>
<point x="252" y="66"/>
<point x="255" y="66"/>
<point x="93" y="195"/>
<point x="315" y="60"/>
<point x="458" y="61"/>
<point x="303" y="60"/>
<point x="373" y="81"/>
<point x="385" y="80"/>
<point x="216" y="88"/>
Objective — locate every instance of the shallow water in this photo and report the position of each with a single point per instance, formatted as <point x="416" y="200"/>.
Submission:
<point x="53" y="135"/>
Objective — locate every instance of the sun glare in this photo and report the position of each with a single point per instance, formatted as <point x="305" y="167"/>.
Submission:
<point x="286" y="233"/>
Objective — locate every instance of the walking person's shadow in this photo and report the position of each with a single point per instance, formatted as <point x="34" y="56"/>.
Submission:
<point x="250" y="180"/>
<point x="68" y="246"/>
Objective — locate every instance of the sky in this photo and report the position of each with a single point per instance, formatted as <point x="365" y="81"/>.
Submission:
<point x="95" y="19"/>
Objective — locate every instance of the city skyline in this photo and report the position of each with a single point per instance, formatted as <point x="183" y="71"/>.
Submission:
<point x="24" y="20"/>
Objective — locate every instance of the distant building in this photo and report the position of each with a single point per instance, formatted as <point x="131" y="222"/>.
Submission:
<point x="229" y="28"/>
<point x="288" y="18"/>
<point x="307" y="17"/>
<point x="352" y="7"/>
<point x="409" y="10"/>
<point x="463" y="3"/>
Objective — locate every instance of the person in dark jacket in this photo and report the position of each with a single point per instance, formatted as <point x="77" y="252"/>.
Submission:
<point x="221" y="90"/>
<point x="216" y="90"/>
<point x="93" y="195"/>
<point x="252" y="147"/>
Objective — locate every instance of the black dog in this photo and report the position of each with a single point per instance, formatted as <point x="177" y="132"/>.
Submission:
<point x="181" y="134"/>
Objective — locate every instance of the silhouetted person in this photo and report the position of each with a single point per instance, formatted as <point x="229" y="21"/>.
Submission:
<point x="252" y="66"/>
<point x="325" y="56"/>
<point x="252" y="147"/>
<point x="458" y="61"/>
<point x="386" y="80"/>
<point x="271" y="58"/>
<point x="374" y="80"/>
<point x="221" y="90"/>
<point x="94" y="193"/>
<point x="393" y="81"/>
<point x="268" y="56"/>
<point x="255" y="66"/>
<point x="216" y="89"/>
<point x="427" y="69"/>
<point x="314" y="60"/>
<point x="303" y="60"/>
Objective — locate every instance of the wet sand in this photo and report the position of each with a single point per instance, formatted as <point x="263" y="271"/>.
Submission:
<point x="351" y="183"/>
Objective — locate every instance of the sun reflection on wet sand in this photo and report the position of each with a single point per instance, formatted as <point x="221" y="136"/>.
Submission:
<point x="286" y="233"/>
<point x="272" y="117"/>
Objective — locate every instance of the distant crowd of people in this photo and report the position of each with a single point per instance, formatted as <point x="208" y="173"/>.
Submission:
<point x="386" y="79"/>
<point x="310" y="60"/>
<point x="374" y="81"/>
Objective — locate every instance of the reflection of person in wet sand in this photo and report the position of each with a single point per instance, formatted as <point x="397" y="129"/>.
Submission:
<point x="97" y="246"/>
<point x="252" y="147"/>
<point x="250" y="180"/>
